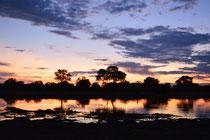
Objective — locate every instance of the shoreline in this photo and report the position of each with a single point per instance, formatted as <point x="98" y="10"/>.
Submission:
<point x="124" y="95"/>
<point x="56" y="130"/>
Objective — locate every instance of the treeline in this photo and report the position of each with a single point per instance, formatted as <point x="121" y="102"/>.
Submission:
<point x="112" y="80"/>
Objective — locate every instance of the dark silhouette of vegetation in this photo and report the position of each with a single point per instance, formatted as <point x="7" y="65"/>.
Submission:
<point x="114" y="85"/>
<point x="112" y="73"/>
<point x="62" y="75"/>
<point x="83" y="83"/>
<point x="184" y="80"/>
<point x="13" y="84"/>
<point x="150" y="81"/>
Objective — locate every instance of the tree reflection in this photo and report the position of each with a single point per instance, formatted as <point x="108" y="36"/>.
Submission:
<point x="83" y="102"/>
<point x="185" y="105"/>
<point x="155" y="103"/>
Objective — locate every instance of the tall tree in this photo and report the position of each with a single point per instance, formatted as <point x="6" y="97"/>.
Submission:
<point x="150" y="81"/>
<point x="184" y="80"/>
<point x="83" y="83"/>
<point x="112" y="73"/>
<point x="62" y="75"/>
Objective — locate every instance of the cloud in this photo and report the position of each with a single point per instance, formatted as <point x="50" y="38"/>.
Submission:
<point x="173" y="72"/>
<point x="64" y="14"/>
<point x="202" y="77"/>
<point x="201" y="68"/>
<point x="7" y="74"/>
<point x="42" y="68"/>
<point x="20" y="50"/>
<point x="119" y="6"/>
<point x="104" y="34"/>
<point x="174" y="5"/>
<point x="90" y="72"/>
<point x="38" y="68"/>
<point x="17" y="49"/>
<point x="163" y="45"/>
<point x="101" y="59"/>
<point x="140" y="31"/>
<point x="64" y="33"/>
<point x="184" y="5"/>
<point x="5" y="64"/>
<point x="9" y="47"/>
<point x="135" y="68"/>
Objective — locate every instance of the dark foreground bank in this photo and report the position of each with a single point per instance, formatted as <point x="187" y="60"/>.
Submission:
<point x="59" y="130"/>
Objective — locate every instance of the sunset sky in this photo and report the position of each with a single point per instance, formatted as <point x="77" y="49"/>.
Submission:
<point x="160" y="38"/>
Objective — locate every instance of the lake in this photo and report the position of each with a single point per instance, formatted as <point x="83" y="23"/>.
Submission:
<point x="83" y="110"/>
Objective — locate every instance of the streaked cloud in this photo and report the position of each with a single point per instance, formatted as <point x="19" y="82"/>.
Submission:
<point x="64" y="33"/>
<point x="42" y="68"/>
<point x="20" y="50"/>
<point x="163" y="45"/>
<point x="136" y="68"/>
<point x="89" y="72"/>
<point x="174" y="5"/>
<point x="64" y="14"/>
<point x="101" y="59"/>
<point x="5" y="64"/>
<point x="7" y="74"/>
<point x="119" y="6"/>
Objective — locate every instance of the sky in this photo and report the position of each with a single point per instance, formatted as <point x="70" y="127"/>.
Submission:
<point x="164" y="39"/>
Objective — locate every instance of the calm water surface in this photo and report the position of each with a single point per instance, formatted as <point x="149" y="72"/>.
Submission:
<point x="180" y="108"/>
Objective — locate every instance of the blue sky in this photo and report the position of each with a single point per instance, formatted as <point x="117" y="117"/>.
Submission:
<point x="160" y="38"/>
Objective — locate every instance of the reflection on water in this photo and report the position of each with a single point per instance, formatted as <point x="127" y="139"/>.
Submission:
<point x="79" y="109"/>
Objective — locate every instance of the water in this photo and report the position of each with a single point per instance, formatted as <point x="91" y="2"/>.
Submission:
<point x="87" y="111"/>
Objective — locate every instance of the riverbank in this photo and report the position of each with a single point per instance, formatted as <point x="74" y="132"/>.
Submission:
<point x="88" y="94"/>
<point x="61" y="130"/>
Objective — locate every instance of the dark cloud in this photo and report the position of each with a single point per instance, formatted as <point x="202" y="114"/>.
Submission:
<point x="17" y="49"/>
<point x="9" y="47"/>
<point x="64" y="33"/>
<point x="135" y="68"/>
<point x="6" y="74"/>
<point x="70" y="15"/>
<point x="184" y="4"/>
<point x="38" y="68"/>
<point x="34" y="77"/>
<point x="202" y="77"/>
<point x="4" y="64"/>
<point x="173" y="72"/>
<point x="42" y="68"/>
<point x="174" y="5"/>
<point x="20" y="50"/>
<point x="105" y="34"/>
<point x="119" y="6"/>
<point x="201" y="68"/>
<point x="140" y="31"/>
<point x="90" y="72"/>
<point x="65" y="14"/>
<point x="101" y="59"/>
<point x="163" y="45"/>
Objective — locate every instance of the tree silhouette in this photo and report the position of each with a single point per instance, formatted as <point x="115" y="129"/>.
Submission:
<point x="83" y="83"/>
<point x="102" y="75"/>
<point x="150" y="81"/>
<point x="96" y="86"/>
<point x="62" y="75"/>
<point x="12" y="83"/>
<point x="110" y="74"/>
<point x="184" y="80"/>
<point x="37" y="85"/>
